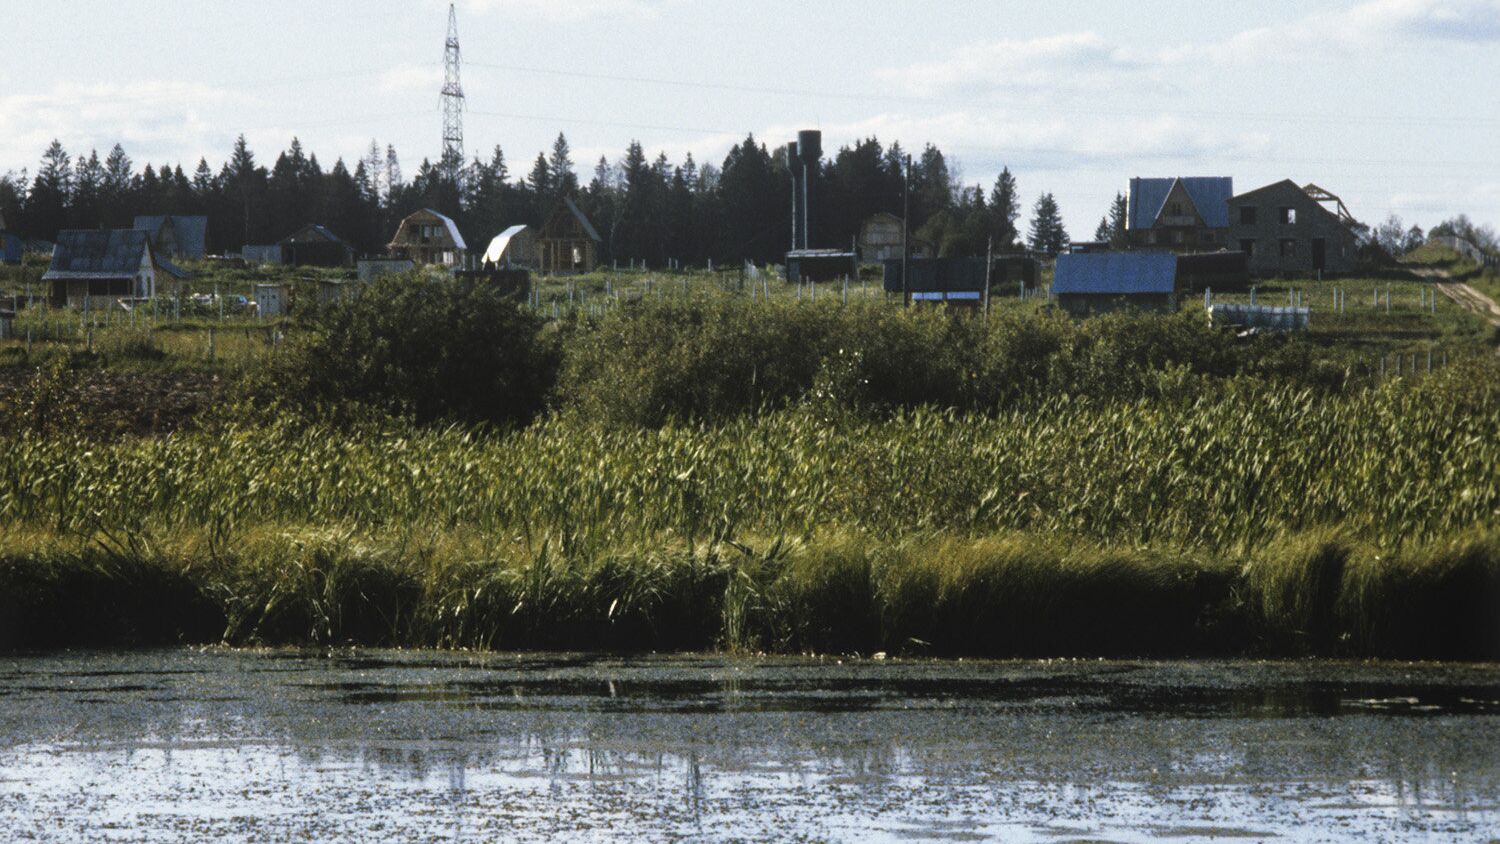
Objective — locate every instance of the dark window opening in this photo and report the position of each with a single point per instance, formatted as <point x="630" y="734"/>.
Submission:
<point x="1247" y="215"/>
<point x="1247" y="247"/>
<point x="1288" y="248"/>
<point x="1288" y="216"/>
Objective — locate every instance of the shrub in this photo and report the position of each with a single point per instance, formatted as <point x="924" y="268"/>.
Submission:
<point x="435" y="349"/>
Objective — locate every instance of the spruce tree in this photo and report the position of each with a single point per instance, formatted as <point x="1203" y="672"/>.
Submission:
<point x="1048" y="235"/>
<point x="1119" y="214"/>
<point x="1005" y="209"/>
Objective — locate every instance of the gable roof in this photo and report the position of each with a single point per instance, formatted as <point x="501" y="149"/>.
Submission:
<point x="1300" y="193"/>
<point x="1210" y="195"/>
<point x="1116" y="273"/>
<point x="500" y="243"/>
<point x="315" y="233"/>
<point x="191" y="232"/>
<point x="107" y="253"/>
<point x="583" y="221"/>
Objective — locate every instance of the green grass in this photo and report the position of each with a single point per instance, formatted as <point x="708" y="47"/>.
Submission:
<point x="1246" y="519"/>
<point x="833" y="592"/>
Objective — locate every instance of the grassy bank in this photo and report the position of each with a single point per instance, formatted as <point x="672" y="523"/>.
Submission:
<point x="834" y="592"/>
<point x="1223" y="516"/>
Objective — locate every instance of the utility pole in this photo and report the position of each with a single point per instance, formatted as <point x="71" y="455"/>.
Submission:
<point x="453" y="104"/>
<point x="906" y="235"/>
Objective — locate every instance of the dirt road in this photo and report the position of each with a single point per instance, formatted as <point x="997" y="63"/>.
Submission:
<point x="1466" y="296"/>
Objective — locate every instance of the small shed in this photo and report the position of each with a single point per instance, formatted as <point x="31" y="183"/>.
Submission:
<point x="1101" y="282"/>
<point x="427" y="237"/>
<point x="11" y="248"/>
<point x="958" y="281"/>
<point x="92" y="268"/>
<point x="567" y="243"/>
<point x="513" y="248"/>
<point x="270" y="300"/>
<point x="268" y="254"/>
<point x="1222" y="272"/>
<point x="821" y="265"/>
<point x="174" y="236"/>
<point x="315" y="246"/>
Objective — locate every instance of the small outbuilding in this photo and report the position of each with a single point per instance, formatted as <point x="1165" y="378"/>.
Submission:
<point x="315" y="246"/>
<point x="881" y="237"/>
<point x="94" y="268"/>
<point x="174" y="236"/>
<point x="567" y="243"/>
<point x="1101" y="282"/>
<point x="957" y="281"/>
<point x="427" y="237"/>
<point x="1221" y="272"/>
<point x="11" y="248"/>
<point x="514" y="248"/>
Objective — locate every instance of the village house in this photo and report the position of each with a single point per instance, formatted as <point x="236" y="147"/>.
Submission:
<point x="567" y="243"/>
<point x="513" y="248"/>
<point x="427" y="237"/>
<point x="95" y="268"/>
<point x="315" y="246"/>
<point x="1179" y="214"/>
<point x="1101" y="282"/>
<point x="1284" y="228"/>
<point x="174" y="236"/>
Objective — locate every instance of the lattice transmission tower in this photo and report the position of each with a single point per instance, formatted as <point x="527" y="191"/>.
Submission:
<point x="453" y="104"/>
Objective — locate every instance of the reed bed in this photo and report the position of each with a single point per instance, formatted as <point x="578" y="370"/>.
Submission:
<point x="1248" y="518"/>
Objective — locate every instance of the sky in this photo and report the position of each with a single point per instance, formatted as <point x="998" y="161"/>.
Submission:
<point x="1392" y="104"/>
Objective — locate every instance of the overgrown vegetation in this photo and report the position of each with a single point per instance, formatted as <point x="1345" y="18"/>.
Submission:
<point x="433" y="463"/>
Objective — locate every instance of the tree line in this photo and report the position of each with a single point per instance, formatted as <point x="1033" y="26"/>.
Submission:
<point x="645" y="209"/>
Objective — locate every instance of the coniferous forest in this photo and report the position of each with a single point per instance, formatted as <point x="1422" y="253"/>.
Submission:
<point x="646" y="209"/>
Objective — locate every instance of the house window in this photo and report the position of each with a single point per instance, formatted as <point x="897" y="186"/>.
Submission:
<point x="1247" y="247"/>
<point x="1176" y="237"/>
<point x="1289" y="216"/>
<point x="1151" y="238"/>
<point x="1175" y="209"/>
<point x="1288" y="248"/>
<point x="1247" y="215"/>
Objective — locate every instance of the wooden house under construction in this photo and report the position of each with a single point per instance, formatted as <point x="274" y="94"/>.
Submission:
<point x="567" y="243"/>
<point x="427" y="237"/>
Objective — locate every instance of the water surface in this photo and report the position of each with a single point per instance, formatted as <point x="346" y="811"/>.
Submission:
<point x="190" y="745"/>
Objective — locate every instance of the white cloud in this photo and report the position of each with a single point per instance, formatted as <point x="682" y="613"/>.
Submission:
<point x="1085" y="61"/>
<point x="1074" y="60"/>
<point x="148" y="117"/>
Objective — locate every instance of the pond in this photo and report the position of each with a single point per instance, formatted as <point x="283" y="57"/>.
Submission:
<point x="189" y="745"/>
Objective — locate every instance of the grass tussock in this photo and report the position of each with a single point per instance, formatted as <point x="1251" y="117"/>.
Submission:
<point x="837" y="592"/>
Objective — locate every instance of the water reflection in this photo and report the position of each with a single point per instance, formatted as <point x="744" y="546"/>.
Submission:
<point x="389" y="745"/>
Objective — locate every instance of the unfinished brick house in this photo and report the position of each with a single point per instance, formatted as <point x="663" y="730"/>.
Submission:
<point x="1286" y="229"/>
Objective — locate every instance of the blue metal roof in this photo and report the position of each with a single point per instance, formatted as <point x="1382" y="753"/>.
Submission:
<point x="1210" y="194"/>
<point x="1116" y="273"/>
<point x="98" y="253"/>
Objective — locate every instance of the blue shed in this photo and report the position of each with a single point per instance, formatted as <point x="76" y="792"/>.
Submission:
<point x="1100" y="282"/>
<point x="11" y="248"/>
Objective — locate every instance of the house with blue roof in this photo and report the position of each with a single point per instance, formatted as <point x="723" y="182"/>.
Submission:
<point x="1101" y="282"/>
<point x="1179" y="214"/>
